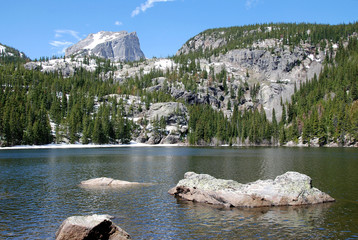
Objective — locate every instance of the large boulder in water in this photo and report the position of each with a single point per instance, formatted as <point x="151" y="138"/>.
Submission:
<point x="90" y="227"/>
<point x="289" y="189"/>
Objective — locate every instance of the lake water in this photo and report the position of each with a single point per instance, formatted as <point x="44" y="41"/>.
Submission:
<point x="39" y="189"/>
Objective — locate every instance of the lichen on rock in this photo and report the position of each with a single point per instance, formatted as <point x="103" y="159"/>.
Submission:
<point x="291" y="188"/>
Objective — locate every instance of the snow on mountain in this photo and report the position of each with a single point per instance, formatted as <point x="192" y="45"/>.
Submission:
<point x="2" y="49"/>
<point x="102" y="37"/>
<point x="116" y="46"/>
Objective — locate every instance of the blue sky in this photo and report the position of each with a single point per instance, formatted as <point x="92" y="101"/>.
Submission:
<point x="46" y="27"/>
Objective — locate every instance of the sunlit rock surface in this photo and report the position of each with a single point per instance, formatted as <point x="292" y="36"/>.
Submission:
<point x="90" y="227"/>
<point x="291" y="188"/>
<point x="106" y="182"/>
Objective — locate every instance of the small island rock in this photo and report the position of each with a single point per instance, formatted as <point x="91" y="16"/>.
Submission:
<point x="289" y="189"/>
<point x="106" y="182"/>
<point x="90" y="227"/>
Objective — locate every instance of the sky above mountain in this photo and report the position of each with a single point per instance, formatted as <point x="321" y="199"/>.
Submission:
<point x="45" y="28"/>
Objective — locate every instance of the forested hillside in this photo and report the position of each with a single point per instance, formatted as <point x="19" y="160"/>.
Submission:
<point x="323" y="110"/>
<point x="11" y="55"/>
<point x="291" y="34"/>
<point x="270" y="84"/>
<point x="326" y="108"/>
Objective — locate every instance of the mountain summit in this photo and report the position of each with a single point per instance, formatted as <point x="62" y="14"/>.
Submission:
<point x="116" y="46"/>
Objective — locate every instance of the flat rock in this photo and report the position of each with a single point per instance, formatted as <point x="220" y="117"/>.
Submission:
<point x="90" y="227"/>
<point x="289" y="189"/>
<point x="106" y="182"/>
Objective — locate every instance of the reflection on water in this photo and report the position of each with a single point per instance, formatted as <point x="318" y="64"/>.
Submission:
<point x="262" y="222"/>
<point x="39" y="189"/>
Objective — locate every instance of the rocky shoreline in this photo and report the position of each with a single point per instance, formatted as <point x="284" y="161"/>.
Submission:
<point x="180" y="144"/>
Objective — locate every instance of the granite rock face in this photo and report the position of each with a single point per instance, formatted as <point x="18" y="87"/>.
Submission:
<point x="289" y="189"/>
<point x="90" y="227"/>
<point x="173" y="112"/>
<point x="175" y="116"/>
<point x="276" y="67"/>
<point x="116" y="46"/>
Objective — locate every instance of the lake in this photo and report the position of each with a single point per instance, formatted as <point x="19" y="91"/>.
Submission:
<point x="39" y="189"/>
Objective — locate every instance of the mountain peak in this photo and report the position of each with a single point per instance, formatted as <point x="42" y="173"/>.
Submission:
<point x="116" y="46"/>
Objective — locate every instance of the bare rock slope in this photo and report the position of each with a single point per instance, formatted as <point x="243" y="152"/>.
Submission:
<point x="116" y="46"/>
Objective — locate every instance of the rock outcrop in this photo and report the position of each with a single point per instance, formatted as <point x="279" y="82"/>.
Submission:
<point x="117" y="46"/>
<point x="173" y="112"/>
<point x="289" y="189"/>
<point x="106" y="182"/>
<point x="173" y="115"/>
<point x="90" y="227"/>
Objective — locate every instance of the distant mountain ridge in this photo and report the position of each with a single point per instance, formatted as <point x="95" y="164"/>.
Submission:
<point x="10" y="54"/>
<point x="116" y="46"/>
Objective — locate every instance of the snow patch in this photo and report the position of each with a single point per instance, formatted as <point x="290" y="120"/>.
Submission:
<point x="163" y="64"/>
<point x="102" y="37"/>
<point x="171" y="129"/>
<point x="2" y="49"/>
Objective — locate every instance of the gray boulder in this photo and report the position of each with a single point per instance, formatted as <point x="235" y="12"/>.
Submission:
<point x="154" y="139"/>
<point x="173" y="112"/>
<point x="106" y="182"/>
<point x="32" y="66"/>
<point x="117" y="46"/>
<point x="171" y="139"/>
<point x="289" y="189"/>
<point x="90" y="227"/>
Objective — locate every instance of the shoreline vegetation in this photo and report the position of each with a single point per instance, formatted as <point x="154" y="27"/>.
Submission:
<point x="80" y="145"/>
<point x="314" y="144"/>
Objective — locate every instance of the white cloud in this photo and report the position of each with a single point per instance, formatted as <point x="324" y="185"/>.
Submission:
<point x="118" y="23"/>
<point x="60" y="32"/>
<point x="144" y="6"/>
<point x="60" y="43"/>
<point x="64" y="39"/>
<point x="251" y="3"/>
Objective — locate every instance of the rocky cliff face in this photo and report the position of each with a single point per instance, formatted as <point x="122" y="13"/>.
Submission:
<point x="277" y="71"/>
<point x="116" y="46"/>
<point x="270" y="63"/>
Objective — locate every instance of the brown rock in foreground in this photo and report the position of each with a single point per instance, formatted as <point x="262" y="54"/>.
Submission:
<point x="289" y="189"/>
<point x="90" y="227"/>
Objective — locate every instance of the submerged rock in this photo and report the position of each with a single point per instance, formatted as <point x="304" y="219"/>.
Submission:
<point x="106" y="182"/>
<point x="90" y="227"/>
<point x="289" y="189"/>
